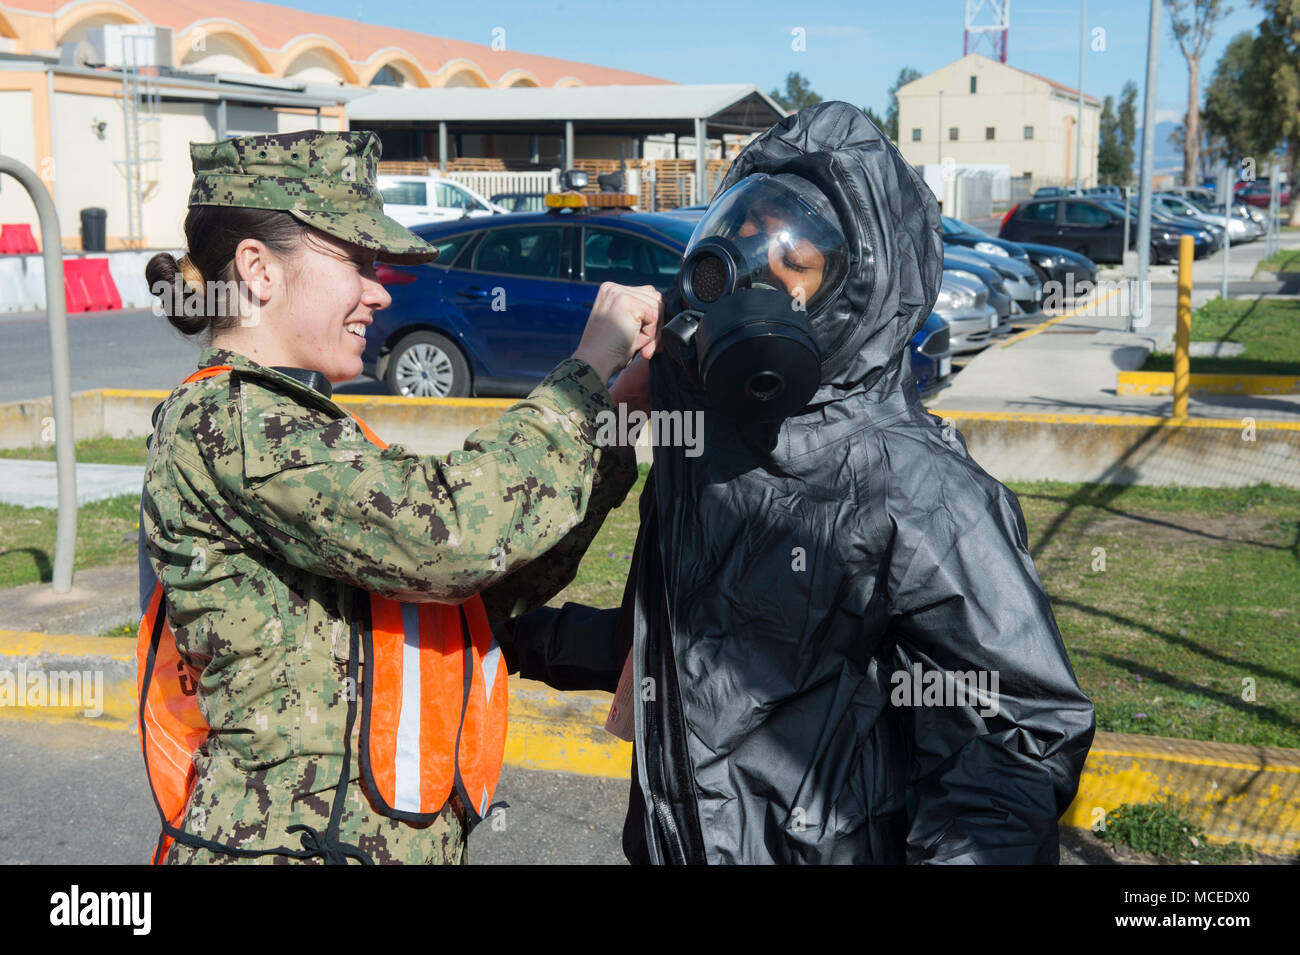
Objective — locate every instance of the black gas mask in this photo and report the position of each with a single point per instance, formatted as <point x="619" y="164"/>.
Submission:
<point x="767" y="257"/>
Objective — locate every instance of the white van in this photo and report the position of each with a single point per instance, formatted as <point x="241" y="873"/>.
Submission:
<point x="418" y="200"/>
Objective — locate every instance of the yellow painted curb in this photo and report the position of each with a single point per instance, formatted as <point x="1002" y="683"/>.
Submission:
<point x="1247" y="794"/>
<point x="563" y="731"/>
<point x="27" y="659"/>
<point x="1133" y="421"/>
<point x="1162" y="383"/>
<point x="349" y="399"/>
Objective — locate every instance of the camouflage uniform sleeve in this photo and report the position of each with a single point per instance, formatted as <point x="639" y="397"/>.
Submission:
<point x="316" y="492"/>
<point x="533" y="585"/>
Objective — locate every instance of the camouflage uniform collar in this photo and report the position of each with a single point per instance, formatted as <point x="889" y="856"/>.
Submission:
<point x="210" y="356"/>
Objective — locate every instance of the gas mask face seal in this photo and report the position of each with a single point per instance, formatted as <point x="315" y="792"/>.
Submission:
<point x="767" y="256"/>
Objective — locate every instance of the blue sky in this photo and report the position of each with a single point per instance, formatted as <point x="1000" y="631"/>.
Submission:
<point x="854" y="50"/>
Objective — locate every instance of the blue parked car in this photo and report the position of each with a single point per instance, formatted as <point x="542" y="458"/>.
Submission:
<point x="508" y="297"/>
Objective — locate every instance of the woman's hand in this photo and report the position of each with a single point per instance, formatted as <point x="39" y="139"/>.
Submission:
<point x="623" y="321"/>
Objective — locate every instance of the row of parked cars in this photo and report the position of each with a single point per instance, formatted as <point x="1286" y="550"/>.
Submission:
<point x="509" y="294"/>
<point x="1094" y="225"/>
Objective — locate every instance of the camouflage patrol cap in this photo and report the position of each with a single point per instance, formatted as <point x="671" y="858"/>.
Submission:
<point x="327" y="180"/>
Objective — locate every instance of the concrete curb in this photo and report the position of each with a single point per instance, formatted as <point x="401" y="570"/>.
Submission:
<point x="1162" y="383"/>
<point x="1249" y="794"/>
<point x="1130" y="449"/>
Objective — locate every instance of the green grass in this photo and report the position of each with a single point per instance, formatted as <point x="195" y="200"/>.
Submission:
<point x="1160" y="830"/>
<point x="1197" y="606"/>
<point x="89" y="451"/>
<point x="1283" y="260"/>
<point x="106" y="534"/>
<point x="1270" y="330"/>
<point x="105" y="529"/>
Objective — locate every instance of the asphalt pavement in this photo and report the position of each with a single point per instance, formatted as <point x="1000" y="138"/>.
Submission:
<point x="128" y="348"/>
<point x="72" y="794"/>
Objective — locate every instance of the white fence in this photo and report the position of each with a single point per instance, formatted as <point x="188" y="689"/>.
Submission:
<point x="489" y="183"/>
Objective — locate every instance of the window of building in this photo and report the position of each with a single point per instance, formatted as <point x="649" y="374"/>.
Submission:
<point x="988" y="132"/>
<point x="952" y="134"/>
<point x="916" y="134"/>
<point x="1029" y="132"/>
<point x="972" y="84"/>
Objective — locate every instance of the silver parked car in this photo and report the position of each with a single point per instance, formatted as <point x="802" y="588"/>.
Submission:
<point x="964" y="304"/>
<point x="1241" y="229"/>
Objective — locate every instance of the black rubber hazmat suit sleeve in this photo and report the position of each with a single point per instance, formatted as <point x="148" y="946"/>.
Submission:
<point x="572" y="648"/>
<point x="987" y="782"/>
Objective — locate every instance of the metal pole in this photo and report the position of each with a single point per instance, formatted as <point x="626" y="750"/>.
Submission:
<point x="1142" y="318"/>
<point x="568" y="144"/>
<point x="1274" y="195"/>
<point x="222" y="122"/>
<point x="1225" y="183"/>
<point x="1126" y="205"/>
<point x="56" y="307"/>
<point x="701" y="160"/>
<point x="1078" y="131"/>
<point x="442" y="147"/>
<point x="1183" y="332"/>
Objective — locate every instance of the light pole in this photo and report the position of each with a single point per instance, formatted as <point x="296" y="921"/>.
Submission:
<point x="1143" y="318"/>
<point x="1078" y="131"/>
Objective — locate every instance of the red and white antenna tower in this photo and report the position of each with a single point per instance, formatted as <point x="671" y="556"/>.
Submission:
<point x="996" y="32"/>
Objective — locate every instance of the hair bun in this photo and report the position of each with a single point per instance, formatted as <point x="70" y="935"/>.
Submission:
<point x="190" y="273"/>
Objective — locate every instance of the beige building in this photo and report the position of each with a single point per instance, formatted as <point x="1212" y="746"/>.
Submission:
<point x="976" y="110"/>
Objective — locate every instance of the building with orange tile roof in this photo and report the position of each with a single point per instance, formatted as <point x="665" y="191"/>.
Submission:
<point x="102" y="97"/>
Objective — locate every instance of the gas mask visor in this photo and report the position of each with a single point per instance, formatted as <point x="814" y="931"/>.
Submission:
<point x="767" y="232"/>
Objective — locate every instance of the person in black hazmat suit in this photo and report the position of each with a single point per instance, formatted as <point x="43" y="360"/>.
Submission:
<point x="841" y="650"/>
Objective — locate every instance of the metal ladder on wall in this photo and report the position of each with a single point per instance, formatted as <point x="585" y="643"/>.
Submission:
<point x="142" y="126"/>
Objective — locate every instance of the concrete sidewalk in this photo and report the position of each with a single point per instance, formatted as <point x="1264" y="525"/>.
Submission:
<point x="36" y="483"/>
<point x="1070" y="365"/>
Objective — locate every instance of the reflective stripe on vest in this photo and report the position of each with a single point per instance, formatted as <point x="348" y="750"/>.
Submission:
<point x="434" y="704"/>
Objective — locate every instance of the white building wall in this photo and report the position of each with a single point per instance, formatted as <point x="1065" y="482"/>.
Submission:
<point x="17" y="141"/>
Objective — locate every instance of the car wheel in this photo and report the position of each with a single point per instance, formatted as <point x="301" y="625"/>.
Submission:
<point x="1154" y="256"/>
<point x="427" y="365"/>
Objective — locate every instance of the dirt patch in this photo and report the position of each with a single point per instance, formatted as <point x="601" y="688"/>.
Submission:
<point x="1084" y="847"/>
<point x="1190" y="528"/>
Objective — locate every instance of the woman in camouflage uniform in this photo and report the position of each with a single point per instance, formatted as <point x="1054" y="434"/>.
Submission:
<point x="266" y="511"/>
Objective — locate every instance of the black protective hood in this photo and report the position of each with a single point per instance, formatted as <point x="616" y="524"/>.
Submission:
<point x="891" y="221"/>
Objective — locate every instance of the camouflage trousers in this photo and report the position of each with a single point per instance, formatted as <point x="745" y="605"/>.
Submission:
<point x="254" y="810"/>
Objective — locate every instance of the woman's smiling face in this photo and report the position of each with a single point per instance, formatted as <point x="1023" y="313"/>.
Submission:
<point x="331" y="295"/>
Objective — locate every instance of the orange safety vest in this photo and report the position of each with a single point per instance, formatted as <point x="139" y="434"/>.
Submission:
<point x="433" y="711"/>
